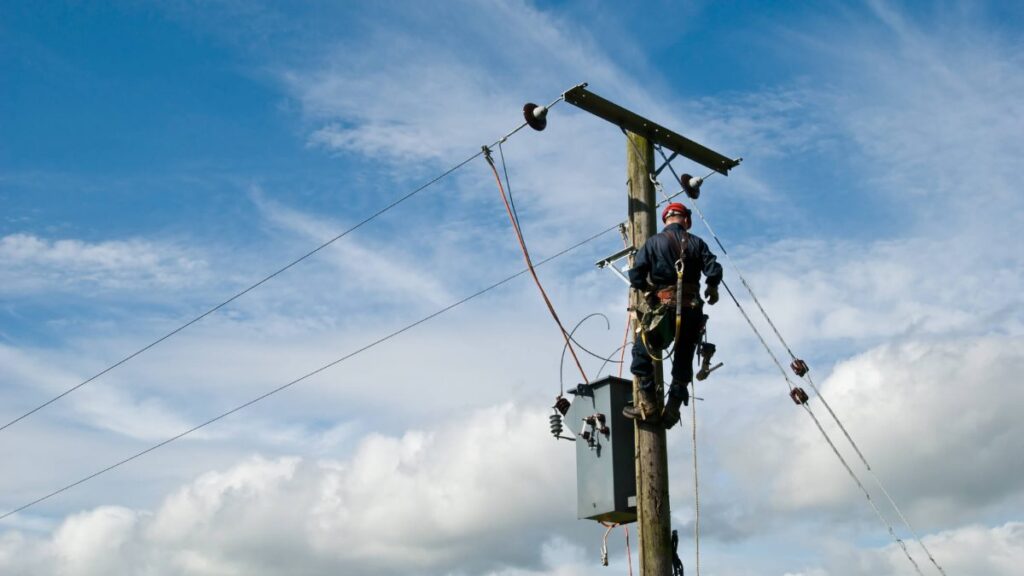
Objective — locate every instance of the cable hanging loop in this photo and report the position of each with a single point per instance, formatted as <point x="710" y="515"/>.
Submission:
<point x="529" y="263"/>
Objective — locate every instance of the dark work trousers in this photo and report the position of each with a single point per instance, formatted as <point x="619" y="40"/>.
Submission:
<point x="660" y="338"/>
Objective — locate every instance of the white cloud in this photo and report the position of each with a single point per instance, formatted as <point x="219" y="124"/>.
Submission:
<point x="383" y="271"/>
<point x="124" y="410"/>
<point x="463" y="497"/>
<point x="974" y="549"/>
<point x="93" y="542"/>
<point x="937" y="420"/>
<point x="906" y="295"/>
<point x="29" y="264"/>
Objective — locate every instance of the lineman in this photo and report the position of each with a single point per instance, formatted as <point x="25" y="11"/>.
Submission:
<point x="667" y="270"/>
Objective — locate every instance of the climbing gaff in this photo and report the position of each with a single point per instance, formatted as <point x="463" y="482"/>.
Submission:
<point x="536" y="116"/>
<point x="706" y="350"/>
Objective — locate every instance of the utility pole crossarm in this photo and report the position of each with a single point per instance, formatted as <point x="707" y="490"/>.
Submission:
<point x="652" y="131"/>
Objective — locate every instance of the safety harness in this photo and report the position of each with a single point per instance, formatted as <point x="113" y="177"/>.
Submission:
<point x="672" y="295"/>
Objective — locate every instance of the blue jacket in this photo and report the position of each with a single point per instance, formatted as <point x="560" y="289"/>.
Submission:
<point x="654" y="264"/>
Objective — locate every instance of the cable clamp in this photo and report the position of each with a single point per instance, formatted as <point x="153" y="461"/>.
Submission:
<point x="799" y="396"/>
<point x="799" y="367"/>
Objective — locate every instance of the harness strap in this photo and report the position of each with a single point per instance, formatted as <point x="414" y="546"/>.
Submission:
<point x="680" y="267"/>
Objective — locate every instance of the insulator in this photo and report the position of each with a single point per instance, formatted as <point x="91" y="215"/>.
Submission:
<point x="799" y="367"/>
<point x="562" y="405"/>
<point x="556" y="425"/>
<point x="691" y="185"/>
<point x="536" y="116"/>
<point x="799" y="396"/>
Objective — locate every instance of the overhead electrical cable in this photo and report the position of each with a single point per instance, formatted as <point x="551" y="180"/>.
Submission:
<point x="529" y="264"/>
<point x="263" y="280"/>
<point x="824" y="434"/>
<point x="805" y="405"/>
<point x="306" y="376"/>
<point x="807" y="376"/>
<point x="238" y="295"/>
<point x="572" y="338"/>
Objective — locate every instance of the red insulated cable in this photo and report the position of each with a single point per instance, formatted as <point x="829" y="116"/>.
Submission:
<point x="529" y="264"/>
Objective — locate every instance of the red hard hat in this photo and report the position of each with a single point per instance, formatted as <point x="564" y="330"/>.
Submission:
<point x="672" y="209"/>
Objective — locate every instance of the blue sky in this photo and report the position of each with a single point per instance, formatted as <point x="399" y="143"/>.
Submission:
<point x="155" y="159"/>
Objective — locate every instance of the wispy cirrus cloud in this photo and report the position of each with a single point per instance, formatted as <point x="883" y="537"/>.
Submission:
<point x="29" y="263"/>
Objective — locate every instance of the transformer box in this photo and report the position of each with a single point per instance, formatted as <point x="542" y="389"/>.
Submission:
<point x="605" y="450"/>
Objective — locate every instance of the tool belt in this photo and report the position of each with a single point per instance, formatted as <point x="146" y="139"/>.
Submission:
<point x="691" y="295"/>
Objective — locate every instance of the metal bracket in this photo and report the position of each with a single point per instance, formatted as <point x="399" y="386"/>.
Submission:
<point x="609" y="262"/>
<point x="667" y="162"/>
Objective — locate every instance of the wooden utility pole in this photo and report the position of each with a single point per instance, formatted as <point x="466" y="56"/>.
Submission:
<point x="652" y="501"/>
<point x="653" y="517"/>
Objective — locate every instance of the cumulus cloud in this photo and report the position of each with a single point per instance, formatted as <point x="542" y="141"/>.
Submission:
<point x="974" y="549"/>
<point x="464" y="497"/>
<point x="922" y="319"/>
<point x="936" y="419"/>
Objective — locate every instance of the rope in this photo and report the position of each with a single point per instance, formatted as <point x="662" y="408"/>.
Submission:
<point x="625" y="340"/>
<point x="529" y="263"/>
<point x="696" y="484"/>
<point x="629" y="552"/>
<point x="304" y="377"/>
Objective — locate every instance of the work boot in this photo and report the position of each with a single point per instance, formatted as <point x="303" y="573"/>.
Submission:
<point x="644" y="409"/>
<point x="678" y="395"/>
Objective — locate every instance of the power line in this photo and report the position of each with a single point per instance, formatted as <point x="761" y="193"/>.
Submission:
<point x="307" y="375"/>
<point x="243" y="292"/>
<point x="804" y="405"/>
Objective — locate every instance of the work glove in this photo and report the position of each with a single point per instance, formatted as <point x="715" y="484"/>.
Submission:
<point x="711" y="293"/>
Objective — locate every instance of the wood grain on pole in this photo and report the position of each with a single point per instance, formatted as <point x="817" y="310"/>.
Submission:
<point x="653" y="512"/>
